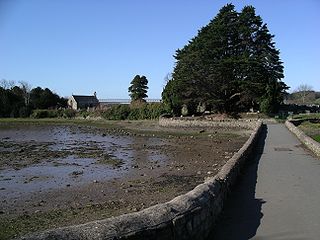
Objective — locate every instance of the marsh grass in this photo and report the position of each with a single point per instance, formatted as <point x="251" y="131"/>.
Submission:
<point x="312" y="129"/>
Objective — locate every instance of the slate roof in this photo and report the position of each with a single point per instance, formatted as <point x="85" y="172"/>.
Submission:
<point x="81" y="99"/>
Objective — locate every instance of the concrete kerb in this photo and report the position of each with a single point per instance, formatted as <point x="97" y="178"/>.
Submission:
<point x="313" y="145"/>
<point x="189" y="216"/>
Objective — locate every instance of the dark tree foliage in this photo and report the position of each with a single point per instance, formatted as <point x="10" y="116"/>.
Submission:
<point x="171" y="98"/>
<point x="138" y="88"/>
<point x="43" y="98"/>
<point x="10" y="102"/>
<point x="232" y="65"/>
<point x="13" y="104"/>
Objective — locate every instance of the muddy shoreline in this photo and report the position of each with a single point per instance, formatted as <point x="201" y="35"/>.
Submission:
<point x="81" y="173"/>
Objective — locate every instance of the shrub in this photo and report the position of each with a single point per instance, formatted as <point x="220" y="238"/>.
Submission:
<point x="118" y="112"/>
<point x="24" y="112"/>
<point x="40" y="113"/>
<point x="68" y="113"/>
<point x="135" y="112"/>
<point x="83" y="113"/>
<point x="147" y="111"/>
<point x="46" y="113"/>
<point x="265" y="106"/>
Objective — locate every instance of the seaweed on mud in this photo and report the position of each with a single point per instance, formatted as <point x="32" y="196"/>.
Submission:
<point x="18" y="155"/>
<point x="110" y="160"/>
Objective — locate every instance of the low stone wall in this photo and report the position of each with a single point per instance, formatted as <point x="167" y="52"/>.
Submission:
<point x="189" y="216"/>
<point x="199" y="122"/>
<point x="313" y="145"/>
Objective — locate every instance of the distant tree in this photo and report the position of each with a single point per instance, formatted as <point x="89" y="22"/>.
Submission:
<point x="19" y="101"/>
<point x="35" y="98"/>
<point x="4" y="103"/>
<point x="7" y="84"/>
<point x="138" y="89"/>
<point x="10" y="102"/>
<point x="26" y="88"/>
<point x="304" y="93"/>
<point x="44" y="98"/>
<point x="63" y="102"/>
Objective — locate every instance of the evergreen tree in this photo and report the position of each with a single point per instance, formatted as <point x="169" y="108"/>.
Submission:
<point x="138" y="89"/>
<point x="170" y="97"/>
<point x="230" y="66"/>
<point x="43" y="98"/>
<point x="200" y="74"/>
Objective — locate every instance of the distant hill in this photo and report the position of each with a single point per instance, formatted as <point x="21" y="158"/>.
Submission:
<point x="303" y="98"/>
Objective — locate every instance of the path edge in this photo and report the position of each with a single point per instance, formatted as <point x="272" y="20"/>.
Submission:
<point x="313" y="145"/>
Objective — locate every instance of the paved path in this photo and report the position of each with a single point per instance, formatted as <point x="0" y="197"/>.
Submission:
<point x="278" y="197"/>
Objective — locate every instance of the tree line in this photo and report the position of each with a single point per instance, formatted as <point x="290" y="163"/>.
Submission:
<point x="304" y="95"/>
<point x="20" y="100"/>
<point x="231" y="66"/>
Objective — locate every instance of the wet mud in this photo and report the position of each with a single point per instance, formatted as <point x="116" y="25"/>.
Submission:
<point x="67" y="174"/>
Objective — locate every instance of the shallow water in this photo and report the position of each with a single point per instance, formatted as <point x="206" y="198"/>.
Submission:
<point x="71" y="158"/>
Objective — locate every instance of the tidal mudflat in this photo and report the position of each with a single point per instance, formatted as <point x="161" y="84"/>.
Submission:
<point x="55" y="175"/>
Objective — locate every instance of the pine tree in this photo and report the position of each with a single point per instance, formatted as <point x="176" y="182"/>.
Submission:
<point x="232" y="65"/>
<point x="138" y="89"/>
<point x="199" y="75"/>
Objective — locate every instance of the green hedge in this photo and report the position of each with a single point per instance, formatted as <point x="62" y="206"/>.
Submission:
<point x="46" y="113"/>
<point x="144" y="111"/>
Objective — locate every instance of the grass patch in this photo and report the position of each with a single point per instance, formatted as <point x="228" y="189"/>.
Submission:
<point x="306" y="116"/>
<point x="309" y="124"/>
<point x="312" y="129"/>
<point x="30" y="223"/>
<point x="316" y="138"/>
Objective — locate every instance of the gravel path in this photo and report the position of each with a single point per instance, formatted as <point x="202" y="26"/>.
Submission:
<point x="279" y="195"/>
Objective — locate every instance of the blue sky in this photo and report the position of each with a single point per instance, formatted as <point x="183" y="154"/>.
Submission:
<point x="82" y="46"/>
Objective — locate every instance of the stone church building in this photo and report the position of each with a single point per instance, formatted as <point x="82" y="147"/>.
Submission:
<point x="77" y="102"/>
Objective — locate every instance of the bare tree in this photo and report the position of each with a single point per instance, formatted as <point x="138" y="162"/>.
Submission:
<point x="26" y="89"/>
<point x="303" y="92"/>
<point x="7" y="84"/>
<point x="166" y="79"/>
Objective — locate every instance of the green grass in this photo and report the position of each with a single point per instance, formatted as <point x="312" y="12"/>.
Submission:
<point x="310" y="125"/>
<point x="34" y="222"/>
<point x="317" y="138"/>
<point x="312" y="129"/>
<point x="306" y="116"/>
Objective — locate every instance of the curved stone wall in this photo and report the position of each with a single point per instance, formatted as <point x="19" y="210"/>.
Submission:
<point x="198" y="122"/>
<point x="189" y="216"/>
<point x="313" y="145"/>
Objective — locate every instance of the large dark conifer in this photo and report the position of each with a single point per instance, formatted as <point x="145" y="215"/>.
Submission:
<point x="230" y="66"/>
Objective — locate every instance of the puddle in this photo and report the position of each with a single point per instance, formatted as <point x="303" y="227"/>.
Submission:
<point x="41" y="158"/>
<point x="60" y="174"/>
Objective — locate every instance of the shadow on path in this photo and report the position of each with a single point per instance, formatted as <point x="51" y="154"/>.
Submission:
<point x="241" y="214"/>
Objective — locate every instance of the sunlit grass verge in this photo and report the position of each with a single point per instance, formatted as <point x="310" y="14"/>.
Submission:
<point x="306" y="116"/>
<point x="316" y="138"/>
<point x="311" y="128"/>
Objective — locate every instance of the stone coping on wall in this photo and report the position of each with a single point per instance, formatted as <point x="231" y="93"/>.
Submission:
<point x="313" y="145"/>
<point x="189" y="216"/>
<point x="207" y="122"/>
